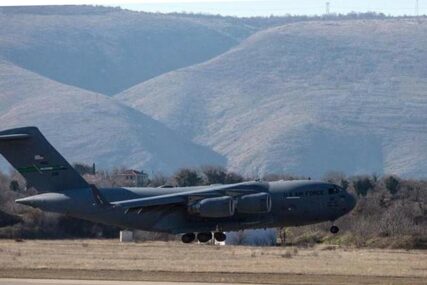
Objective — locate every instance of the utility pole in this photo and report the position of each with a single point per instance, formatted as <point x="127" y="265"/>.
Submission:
<point x="328" y="8"/>
<point x="416" y="9"/>
<point x="417" y="12"/>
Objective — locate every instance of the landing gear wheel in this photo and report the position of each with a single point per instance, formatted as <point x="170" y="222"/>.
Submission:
<point x="204" y="237"/>
<point x="219" y="236"/>
<point x="188" y="238"/>
<point x="334" y="229"/>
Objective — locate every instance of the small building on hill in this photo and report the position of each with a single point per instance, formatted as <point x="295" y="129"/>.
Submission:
<point x="132" y="177"/>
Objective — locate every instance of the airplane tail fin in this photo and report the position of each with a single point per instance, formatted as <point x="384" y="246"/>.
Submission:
<point x="34" y="157"/>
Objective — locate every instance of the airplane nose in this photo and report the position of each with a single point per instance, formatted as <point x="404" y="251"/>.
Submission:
<point x="351" y="201"/>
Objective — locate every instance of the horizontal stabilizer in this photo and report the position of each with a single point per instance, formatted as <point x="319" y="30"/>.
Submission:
<point x="14" y="137"/>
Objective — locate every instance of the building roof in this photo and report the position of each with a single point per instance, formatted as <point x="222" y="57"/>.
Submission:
<point x="131" y="172"/>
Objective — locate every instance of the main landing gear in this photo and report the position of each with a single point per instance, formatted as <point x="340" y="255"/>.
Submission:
<point x="203" y="237"/>
<point x="219" y="236"/>
<point x="189" y="237"/>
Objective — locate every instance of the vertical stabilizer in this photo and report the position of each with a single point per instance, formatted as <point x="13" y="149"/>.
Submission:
<point x="28" y="151"/>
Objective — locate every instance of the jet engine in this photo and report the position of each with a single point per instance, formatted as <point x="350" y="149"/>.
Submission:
<point x="220" y="207"/>
<point x="254" y="203"/>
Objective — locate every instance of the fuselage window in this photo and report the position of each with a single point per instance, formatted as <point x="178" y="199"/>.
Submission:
<point x="291" y="194"/>
<point x="308" y="193"/>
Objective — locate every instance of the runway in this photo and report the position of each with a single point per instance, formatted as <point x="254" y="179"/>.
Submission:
<point x="12" y="281"/>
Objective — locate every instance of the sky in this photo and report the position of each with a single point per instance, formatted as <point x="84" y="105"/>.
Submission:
<point x="247" y="8"/>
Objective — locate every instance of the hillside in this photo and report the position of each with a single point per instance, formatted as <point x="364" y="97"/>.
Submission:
<point x="90" y="127"/>
<point x="107" y="50"/>
<point x="306" y="98"/>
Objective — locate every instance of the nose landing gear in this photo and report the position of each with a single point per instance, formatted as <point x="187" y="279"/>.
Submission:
<point x="334" y="229"/>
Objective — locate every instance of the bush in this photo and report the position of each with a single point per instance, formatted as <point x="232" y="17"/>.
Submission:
<point x="392" y="184"/>
<point x="362" y="185"/>
<point x="391" y="212"/>
<point x="8" y="220"/>
<point x="188" y="177"/>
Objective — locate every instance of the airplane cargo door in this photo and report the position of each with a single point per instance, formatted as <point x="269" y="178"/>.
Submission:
<point x="294" y="208"/>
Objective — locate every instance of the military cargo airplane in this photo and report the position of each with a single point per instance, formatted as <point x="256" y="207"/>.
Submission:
<point x="193" y="212"/>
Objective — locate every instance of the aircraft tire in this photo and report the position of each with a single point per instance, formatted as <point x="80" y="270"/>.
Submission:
<point x="204" y="237"/>
<point x="219" y="236"/>
<point x="188" y="237"/>
<point x="334" y="229"/>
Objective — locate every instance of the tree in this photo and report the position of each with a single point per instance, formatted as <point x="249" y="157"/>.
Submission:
<point x="286" y="177"/>
<point x="337" y="178"/>
<point x="362" y="185"/>
<point x="83" y="169"/>
<point x="187" y="177"/>
<point x="232" y="177"/>
<point x="214" y="174"/>
<point x="157" y="180"/>
<point x="392" y="184"/>
<point x="14" y="186"/>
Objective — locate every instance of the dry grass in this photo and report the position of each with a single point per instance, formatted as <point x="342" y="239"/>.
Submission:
<point x="176" y="259"/>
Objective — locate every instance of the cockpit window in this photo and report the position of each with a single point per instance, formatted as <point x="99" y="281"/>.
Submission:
<point x="334" y="190"/>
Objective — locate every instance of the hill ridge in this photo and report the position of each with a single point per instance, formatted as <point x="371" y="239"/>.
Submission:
<point x="89" y="127"/>
<point x="305" y="93"/>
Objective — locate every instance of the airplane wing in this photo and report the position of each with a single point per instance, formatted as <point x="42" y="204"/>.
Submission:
<point x="233" y="190"/>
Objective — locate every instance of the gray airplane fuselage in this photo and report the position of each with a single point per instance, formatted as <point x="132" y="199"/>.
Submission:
<point x="293" y="203"/>
<point x="187" y="210"/>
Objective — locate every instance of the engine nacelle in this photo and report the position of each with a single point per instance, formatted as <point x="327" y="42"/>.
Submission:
<point x="220" y="207"/>
<point x="254" y="203"/>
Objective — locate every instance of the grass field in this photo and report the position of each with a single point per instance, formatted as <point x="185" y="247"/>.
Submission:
<point x="173" y="261"/>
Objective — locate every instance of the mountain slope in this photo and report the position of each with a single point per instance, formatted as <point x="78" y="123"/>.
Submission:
<point x="306" y="98"/>
<point x="89" y="127"/>
<point x="107" y="50"/>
